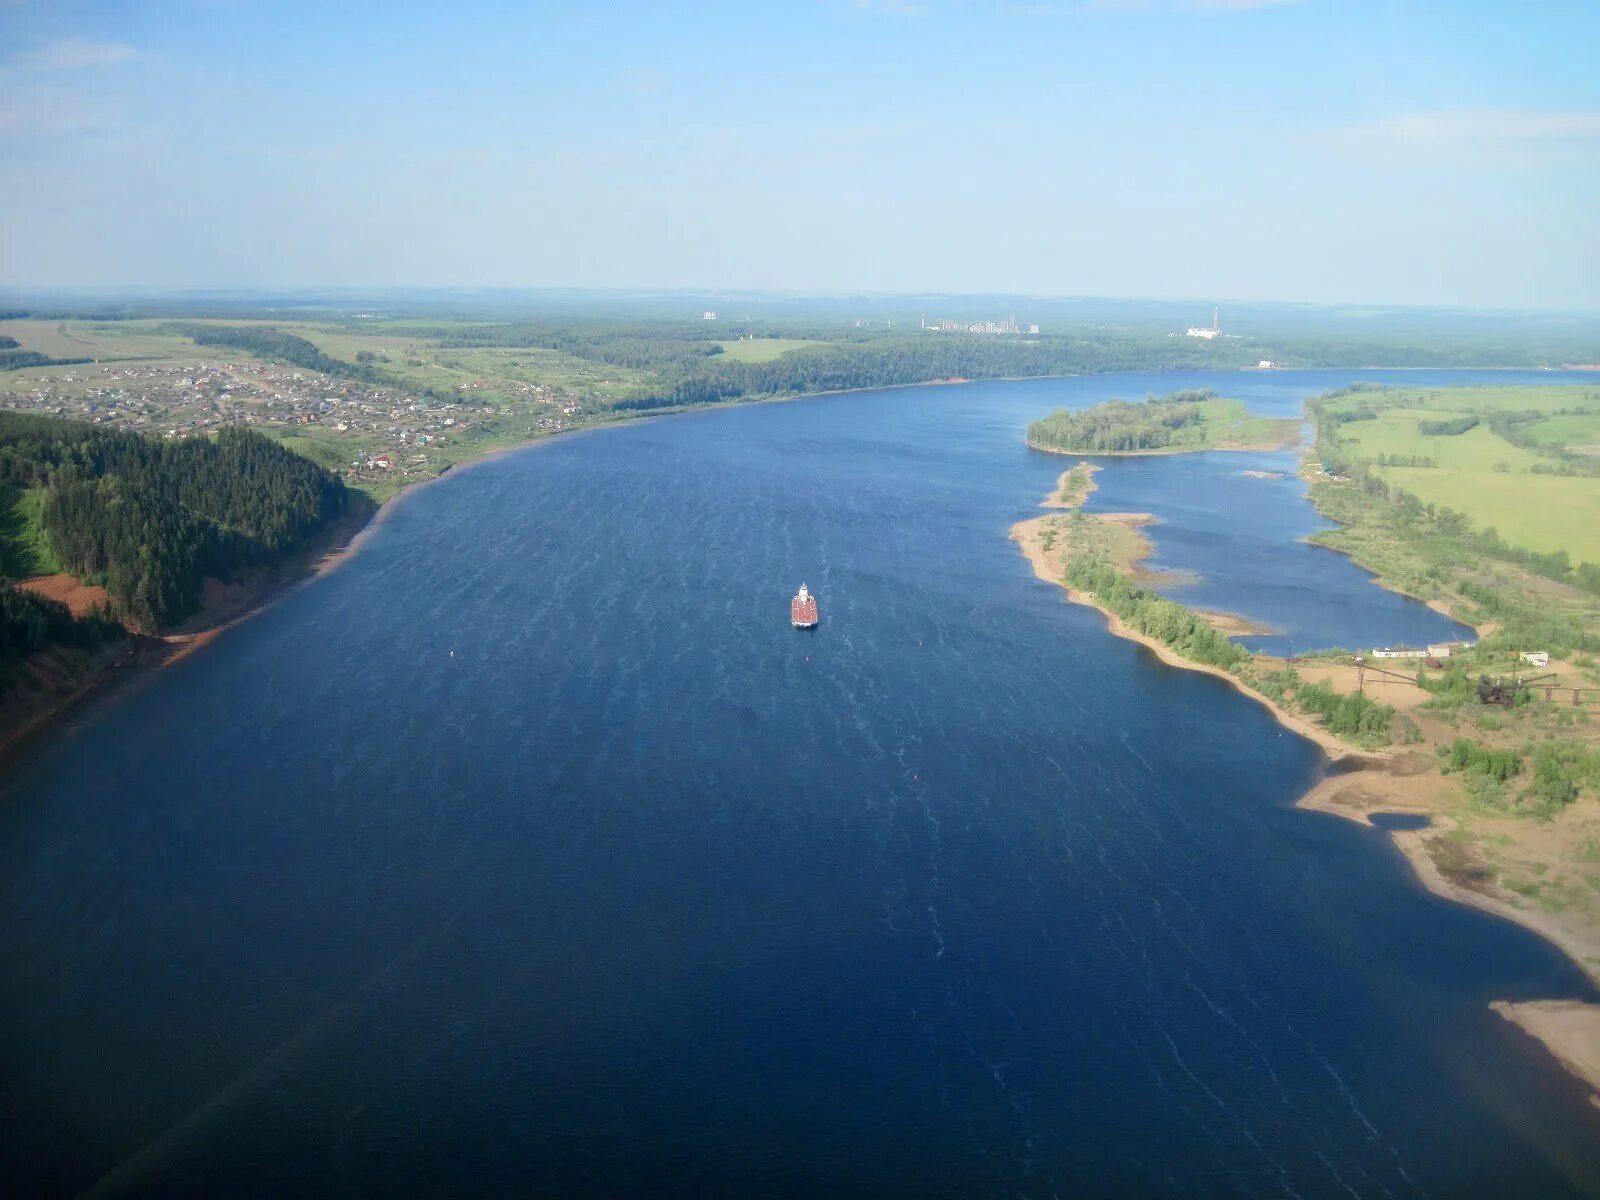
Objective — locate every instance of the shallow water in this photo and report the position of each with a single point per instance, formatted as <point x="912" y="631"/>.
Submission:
<point x="1239" y="543"/>
<point x="642" y="891"/>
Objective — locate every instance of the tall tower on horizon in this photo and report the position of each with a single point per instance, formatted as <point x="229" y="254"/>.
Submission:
<point x="1216" y="319"/>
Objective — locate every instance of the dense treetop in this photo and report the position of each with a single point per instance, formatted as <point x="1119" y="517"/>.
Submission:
<point x="1190" y="420"/>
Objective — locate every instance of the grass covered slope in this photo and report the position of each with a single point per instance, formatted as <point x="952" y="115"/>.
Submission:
<point x="1179" y="422"/>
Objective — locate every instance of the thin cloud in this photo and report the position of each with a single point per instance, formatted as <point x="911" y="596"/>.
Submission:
<point x="74" y="54"/>
<point x="896" y="8"/>
<point x="1232" y="5"/>
<point x="647" y="81"/>
<point x="1114" y="7"/>
<point x="31" y="110"/>
<point x="1476" y="128"/>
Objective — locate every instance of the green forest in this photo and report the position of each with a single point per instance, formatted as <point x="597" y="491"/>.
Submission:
<point x="1188" y="420"/>
<point x="149" y="519"/>
<point x="1120" y="426"/>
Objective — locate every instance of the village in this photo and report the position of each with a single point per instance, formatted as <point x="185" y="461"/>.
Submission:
<point x="378" y="436"/>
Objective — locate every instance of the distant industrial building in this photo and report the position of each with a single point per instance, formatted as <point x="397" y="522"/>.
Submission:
<point x="1009" y="325"/>
<point x="708" y="315"/>
<point x="1198" y="331"/>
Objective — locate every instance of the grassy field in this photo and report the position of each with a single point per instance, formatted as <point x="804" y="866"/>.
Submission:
<point x="760" y="350"/>
<point x="1229" y="423"/>
<point x="1578" y="432"/>
<point x="331" y="455"/>
<point x="1495" y="398"/>
<point x="411" y="354"/>
<point x="1488" y="479"/>
<point x="1478" y="450"/>
<point x="105" y="341"/>
<point x="497" y="370"/>
<point x="1536" y="512"/>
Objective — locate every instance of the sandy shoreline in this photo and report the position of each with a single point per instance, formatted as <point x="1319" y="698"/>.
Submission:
<point x="1360" y="784"/>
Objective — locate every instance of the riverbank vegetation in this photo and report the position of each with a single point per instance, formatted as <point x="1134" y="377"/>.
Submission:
<point x="1353" y="716"/>
<point x="1181" y="421"/>
<point x="1153" y="615"/>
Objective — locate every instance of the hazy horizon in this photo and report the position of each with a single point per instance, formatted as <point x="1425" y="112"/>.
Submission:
<point x="1205" y="151"/>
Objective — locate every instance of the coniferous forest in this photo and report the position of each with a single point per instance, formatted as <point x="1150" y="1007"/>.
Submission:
<point x="149" y="519"/>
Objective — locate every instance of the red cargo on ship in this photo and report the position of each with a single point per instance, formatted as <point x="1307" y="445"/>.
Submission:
<point x="803" y="609"/>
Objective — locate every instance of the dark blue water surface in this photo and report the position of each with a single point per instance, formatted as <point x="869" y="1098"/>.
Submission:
<point x="641" y="891"/>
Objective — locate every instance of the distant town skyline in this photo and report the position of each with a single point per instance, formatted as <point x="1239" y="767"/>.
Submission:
<point x="1249" y="150"/>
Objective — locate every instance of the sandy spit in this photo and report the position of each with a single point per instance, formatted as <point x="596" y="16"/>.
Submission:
<point x="1569" y="1028"/>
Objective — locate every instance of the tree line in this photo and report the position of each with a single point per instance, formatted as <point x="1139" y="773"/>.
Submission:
<point x="889" y="362"/>
<point x="1152" y="615"/>
<point x="16" y="359"/>
<point x="689" y="368"/>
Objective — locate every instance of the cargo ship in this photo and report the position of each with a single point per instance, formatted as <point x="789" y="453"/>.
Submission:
<point x="803" y="609"/>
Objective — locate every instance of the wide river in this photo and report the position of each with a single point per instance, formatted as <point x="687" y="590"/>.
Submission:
<point x="531" y="852"/>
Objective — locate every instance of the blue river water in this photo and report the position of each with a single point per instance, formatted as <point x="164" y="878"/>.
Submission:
<point x="531" y="852"/>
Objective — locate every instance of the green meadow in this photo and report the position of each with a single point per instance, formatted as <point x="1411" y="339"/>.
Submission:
<point x="1398" y="433"/>
<point x="760" y="350"/>
<point x="1577" y="432"/>
<point x="1481" y="473"/>
<point x="103" y="341"/>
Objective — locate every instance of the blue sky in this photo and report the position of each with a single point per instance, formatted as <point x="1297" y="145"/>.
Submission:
<point x="1321" y="150"/>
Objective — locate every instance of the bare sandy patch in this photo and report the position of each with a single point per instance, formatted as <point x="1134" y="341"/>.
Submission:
<point x="1570" y="1028"/>
<point x="80" y="597"/>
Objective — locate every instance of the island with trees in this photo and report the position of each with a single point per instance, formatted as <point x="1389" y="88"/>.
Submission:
<point x="1173" y="424"/>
